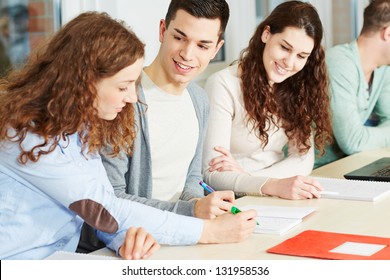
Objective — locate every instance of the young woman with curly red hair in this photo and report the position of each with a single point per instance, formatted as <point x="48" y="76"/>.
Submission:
<point x="56" y="114"/>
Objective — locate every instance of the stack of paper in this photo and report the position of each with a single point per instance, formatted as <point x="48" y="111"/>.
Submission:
<point x="353" y="189"/>
<point x="278" y="219"/>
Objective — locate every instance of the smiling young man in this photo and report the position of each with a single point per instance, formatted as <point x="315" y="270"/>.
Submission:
<point x="165" y="168"/>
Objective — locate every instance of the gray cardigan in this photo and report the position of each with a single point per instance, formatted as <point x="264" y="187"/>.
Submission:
<point x="131" y="177"/>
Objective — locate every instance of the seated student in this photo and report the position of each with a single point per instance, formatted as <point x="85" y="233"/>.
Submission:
<point x="55" y="115"/>
<point x="165" y="168"/>
<point x="275" y="96"/>
<point x="360" y="87"/>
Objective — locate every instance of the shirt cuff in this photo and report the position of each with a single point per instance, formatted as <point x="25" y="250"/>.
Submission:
<point x="251" y="185"/>
<point x="187" y="231"/>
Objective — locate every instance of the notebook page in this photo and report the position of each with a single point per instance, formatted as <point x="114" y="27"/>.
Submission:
<point x="278" y="219"/>
<point x="280" y="211"/>
<point x="275" y="225"/>
<point x="353" y="189"/>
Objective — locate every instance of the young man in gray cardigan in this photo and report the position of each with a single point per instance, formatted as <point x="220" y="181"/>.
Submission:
<point x="165" y="168"/>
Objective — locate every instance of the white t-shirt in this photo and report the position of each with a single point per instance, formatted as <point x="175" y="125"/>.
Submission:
<point x="174" y="133"/>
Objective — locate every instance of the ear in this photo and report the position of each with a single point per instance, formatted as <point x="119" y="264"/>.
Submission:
<point x="217" y="48"/>
<point x="266" y="34"/>
<point x="162" y="30"/>
<point x="386" y="33"/>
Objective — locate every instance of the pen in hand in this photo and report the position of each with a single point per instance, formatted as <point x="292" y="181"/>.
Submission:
<point x="206" y="187"/>
<point x="234" y="209"/>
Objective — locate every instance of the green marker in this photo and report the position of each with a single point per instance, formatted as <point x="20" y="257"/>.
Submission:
<point x="235" y="210"/>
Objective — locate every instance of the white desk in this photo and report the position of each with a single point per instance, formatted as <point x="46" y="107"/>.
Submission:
<point x="342" y="166"/>
<point x="343" y="216"/>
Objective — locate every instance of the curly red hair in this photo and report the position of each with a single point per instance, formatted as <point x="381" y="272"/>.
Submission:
<point x="301" y="103"/>
<point x="54" y="94"/>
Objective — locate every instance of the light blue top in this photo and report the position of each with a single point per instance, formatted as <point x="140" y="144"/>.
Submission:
<point x="352" y="104"/>
<point x="43" y="204"/>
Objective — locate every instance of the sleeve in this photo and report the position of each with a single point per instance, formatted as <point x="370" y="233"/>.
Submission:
<point x="350" y="133"/>
<point x="117" y="167"/>
<point x="382" y="108"/>
<point x="82" y="186"/>
<point x="218" y="134"/>
<point x="192" y="188"/>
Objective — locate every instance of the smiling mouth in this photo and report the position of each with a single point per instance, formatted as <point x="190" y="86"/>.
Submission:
<point x="280" y="70"/>
<point x="182" y="66"/>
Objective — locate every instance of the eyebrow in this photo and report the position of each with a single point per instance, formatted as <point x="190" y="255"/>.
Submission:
<point x="185" y="35"/>
<point x="126" y="82"/>
<point x="293" y="47"/>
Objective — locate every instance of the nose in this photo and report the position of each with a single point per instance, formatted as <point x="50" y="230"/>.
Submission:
<point x="186" y="52"/>
<point x="131" y="96"/>
<point x="288" y="62"/>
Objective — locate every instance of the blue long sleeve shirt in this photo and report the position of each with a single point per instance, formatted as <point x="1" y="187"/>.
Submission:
<point x="43" y="204"/>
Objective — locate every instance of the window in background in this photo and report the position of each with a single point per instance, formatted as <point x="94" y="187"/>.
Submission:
<point x="220" y="56"/>
<point x="358" y="7"/>
<point x="261" y="10"/>
<point x="238" y="32"/>
<point x="347" y="19"/>
<point x="24" y="25"/>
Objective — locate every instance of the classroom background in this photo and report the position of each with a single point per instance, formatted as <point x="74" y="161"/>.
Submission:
<point x="25" y="24"/>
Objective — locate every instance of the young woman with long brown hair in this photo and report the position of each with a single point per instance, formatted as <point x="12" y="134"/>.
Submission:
<point x="270" y="109"/>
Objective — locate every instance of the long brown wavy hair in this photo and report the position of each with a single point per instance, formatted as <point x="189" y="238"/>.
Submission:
<point x="301" y="102"/>
<point x="54" y="94"/>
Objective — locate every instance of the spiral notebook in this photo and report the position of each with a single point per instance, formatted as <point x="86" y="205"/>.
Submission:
<point x="353" y="189"/>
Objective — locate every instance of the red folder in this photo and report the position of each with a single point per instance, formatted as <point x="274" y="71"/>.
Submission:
<point x="317" y="244"/>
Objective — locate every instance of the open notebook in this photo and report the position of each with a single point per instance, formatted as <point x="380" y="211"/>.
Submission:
<point x="278" y="219"/>
<point x="353" y="189"/>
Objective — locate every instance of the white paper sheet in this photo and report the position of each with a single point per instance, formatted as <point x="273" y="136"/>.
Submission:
<point x="359" y="249"/>
<point x="278" y="219"/>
